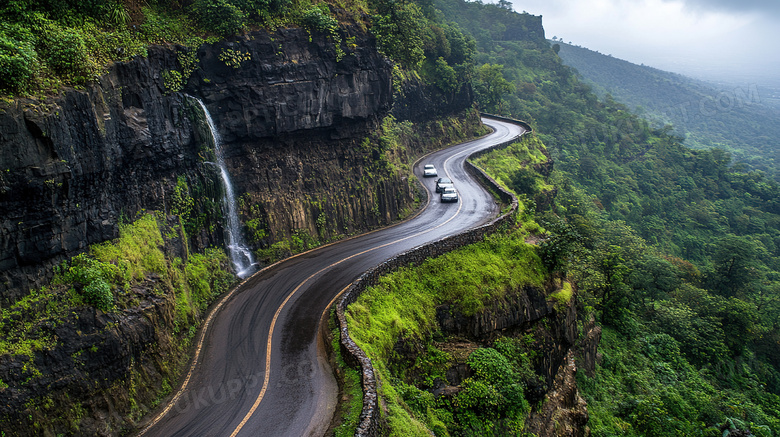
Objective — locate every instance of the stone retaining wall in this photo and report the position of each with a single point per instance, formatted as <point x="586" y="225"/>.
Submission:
<point x="353" y="355"/>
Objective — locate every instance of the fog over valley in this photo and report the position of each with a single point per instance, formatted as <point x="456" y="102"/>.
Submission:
<point x="721" y="41"/>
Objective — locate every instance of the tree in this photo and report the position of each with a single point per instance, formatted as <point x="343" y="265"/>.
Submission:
<point x="491" y="86"/>
<point x="734" y="265"/>
<point x="560" y="248"/>
<point x="220" y="16"/>
<point x="444" y="76"/>
<point x="653" y="278"/>
<point x="399" y="29"/>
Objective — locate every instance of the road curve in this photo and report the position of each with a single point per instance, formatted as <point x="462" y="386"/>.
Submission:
<point x="236" y="387"/>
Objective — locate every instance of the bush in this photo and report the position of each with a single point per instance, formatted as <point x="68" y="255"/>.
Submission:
<point x="66" y="53"/>
<point x="220" y="16"/>
<point x="174" y="83"/>
<point x="93" y="278"/>
<point x="17" y="64"/>
<point x="317" y="19"/>
<point x="98" y="294"/>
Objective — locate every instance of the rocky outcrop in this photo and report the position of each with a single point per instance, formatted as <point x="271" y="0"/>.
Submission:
<point x="564" y="412"/>
<point x="422" y="102"/>
<point x="82" y="385"/>
<point x="519" y="312"/>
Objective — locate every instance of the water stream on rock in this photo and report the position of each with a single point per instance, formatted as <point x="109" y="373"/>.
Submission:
<point x="240" y="255"/>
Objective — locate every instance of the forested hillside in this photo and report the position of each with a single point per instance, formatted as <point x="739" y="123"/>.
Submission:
<point x="737" y="118"/>
<point x="674" y="251"/>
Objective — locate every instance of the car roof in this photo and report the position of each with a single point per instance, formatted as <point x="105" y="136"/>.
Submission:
<point x="428" y="165"/>
<point x="449" y="189"/>
<point x="445" y="180"/>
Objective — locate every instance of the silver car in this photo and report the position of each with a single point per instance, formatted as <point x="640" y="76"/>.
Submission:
<point x="443" y="183"/>
<point x="429" y="171"/>
<point x="449" y="194"/>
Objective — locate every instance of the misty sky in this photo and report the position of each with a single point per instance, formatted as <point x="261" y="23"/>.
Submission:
<point x="703" y="38"/>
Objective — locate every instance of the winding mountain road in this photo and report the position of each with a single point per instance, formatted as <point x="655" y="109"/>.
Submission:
<point x="261" y="369"/>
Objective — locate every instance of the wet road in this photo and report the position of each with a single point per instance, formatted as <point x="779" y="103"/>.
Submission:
<point x="236" y="387"/>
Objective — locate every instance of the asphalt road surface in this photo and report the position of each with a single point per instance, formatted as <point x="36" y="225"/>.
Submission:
<point x="261" y="369"/>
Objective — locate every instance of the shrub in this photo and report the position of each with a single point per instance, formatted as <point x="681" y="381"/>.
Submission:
<point x="93" y="278"/>
<point x="65" y="50"/>
<point x="98" y="294"/>
<point x="317" y="19"/>
<point x="234" y="58"/>
<point x="220" y="16"/>
<point x="173" y="82"/>
<point x="17" y="64"/>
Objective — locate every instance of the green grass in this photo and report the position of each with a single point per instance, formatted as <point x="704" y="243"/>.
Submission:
<point x="405" y="301"/>
<point x="563" y="295"/>
<point x="350" y="409"/>
<point x="504" y="164"/>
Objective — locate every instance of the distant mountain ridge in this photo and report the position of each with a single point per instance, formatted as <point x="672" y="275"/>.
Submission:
<point x="735" y="118"/>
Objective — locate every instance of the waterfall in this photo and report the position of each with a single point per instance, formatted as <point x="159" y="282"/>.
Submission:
<point x="240" y="255"/>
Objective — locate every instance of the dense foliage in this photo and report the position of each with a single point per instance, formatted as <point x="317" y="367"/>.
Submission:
<point x="674" y="250"/>
<point x="47" y="44"/>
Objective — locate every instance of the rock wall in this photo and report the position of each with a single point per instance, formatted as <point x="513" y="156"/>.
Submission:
<point x="84" y="384"/>
<point x="518" y="312"/>
<point x="421" y="102"/>
<point x="290" y="116"/>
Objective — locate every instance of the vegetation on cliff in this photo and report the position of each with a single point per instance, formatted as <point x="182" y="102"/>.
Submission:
<point x="45" y="45"/>
<point x="119" y="278"/>
<point x="396" y="324"/>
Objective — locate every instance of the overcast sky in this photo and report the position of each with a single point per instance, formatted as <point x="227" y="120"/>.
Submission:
<point x="736" y="39"/>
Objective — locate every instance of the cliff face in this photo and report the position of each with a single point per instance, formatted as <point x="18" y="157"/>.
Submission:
<point x="73" y="165"/>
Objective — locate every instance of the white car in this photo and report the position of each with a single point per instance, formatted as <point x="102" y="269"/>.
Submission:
<point x="429" y="171"/>
<point x="449" y="194"/>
